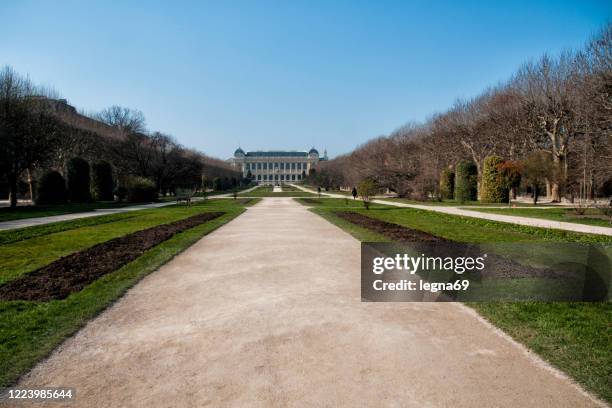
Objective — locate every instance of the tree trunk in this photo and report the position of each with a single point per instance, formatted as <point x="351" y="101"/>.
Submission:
<point x="30" y="186"/>
<point x="13" y="190"/>
<point x="554" y="193"/>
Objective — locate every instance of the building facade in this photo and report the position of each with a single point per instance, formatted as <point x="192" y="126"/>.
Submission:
<point x="276" y="167"/>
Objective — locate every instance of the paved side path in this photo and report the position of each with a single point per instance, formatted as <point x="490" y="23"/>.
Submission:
<point x="266" y="311"/>
<point x="532" y="222"/>
<point x="29" y="222"/>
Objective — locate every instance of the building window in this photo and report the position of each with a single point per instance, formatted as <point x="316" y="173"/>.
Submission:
<point x="265" y="166"/>
<point x="276" y="165"/>
<point x="265" y="177"/>
<point x="259" y="177"/>
<point x="282" y="166"/>
<point x="299" y="166"/>
<point x="299" y="176"/>
<point x="292" y="166"/>
<point x="292" y="177"/>
<point x="258" y="166"/>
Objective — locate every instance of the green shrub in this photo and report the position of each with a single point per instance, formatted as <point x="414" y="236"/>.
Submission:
<point x="51" y="189"/>
<point x="366" y="189"/>
<point x="447" y="184"/>
<point x="493" y="188"/>
<point x="77" y="173"/>
<point x="511" y="173"/>
<point x="102" y="181"/>
<point x="217" y="184"/>
<point x="140" y="189"/>
<point x="466" y="181"/>
<point x="120" y="192"/>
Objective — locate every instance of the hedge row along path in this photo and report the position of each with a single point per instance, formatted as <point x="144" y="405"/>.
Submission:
<point x="73" y="272"/>
<point x="266" y="311"/>
<point x="532" y="222"/>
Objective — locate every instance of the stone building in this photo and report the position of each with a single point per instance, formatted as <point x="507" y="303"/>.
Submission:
<point x="276" y="167"/>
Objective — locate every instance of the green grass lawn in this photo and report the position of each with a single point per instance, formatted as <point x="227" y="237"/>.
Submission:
<point x="29" y="331"/>
<point x="267" y="191"/>
<point x="575" y="337"/>
<point x="591" y="216"/>
<point x="33" y="211"/>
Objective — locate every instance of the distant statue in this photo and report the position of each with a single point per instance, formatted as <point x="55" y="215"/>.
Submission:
<point x="354" y="193"/>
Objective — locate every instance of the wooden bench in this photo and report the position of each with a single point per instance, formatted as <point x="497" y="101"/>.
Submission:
<point x="184" y="195"/>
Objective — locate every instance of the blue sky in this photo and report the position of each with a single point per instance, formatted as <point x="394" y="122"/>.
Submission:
<point x="283" y="74"/>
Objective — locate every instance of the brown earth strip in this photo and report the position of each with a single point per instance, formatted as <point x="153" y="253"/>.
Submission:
<point x="497" y="266"/>
<point x="392" y="231"/>
<point x="72" y="273"/>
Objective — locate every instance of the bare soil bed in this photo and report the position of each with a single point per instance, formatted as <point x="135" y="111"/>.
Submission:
<point x="389" y="230"/>
<point x="497" y="266"/>
<point x="73" y="272"/>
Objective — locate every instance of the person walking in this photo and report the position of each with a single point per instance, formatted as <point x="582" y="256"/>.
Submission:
<point x="354" y="193"/>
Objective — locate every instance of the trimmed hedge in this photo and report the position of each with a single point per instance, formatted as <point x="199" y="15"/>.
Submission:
<point x="466" y="181"/>
<point x="493" y="188"/>
<point x="102" y="183"/>
<point x="141" y="190"/>
<point x="447" y="184"/>
<point x="77" y="173"/>
<point x="51" y="189"/>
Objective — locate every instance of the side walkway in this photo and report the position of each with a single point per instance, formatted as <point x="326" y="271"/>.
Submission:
<point x="532" y="222"/>
<point x="29" y="222"/>
<point x="266" y="311"/>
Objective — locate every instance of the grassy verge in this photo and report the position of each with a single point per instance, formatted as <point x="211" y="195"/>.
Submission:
<point x="34" y="211"/>
<point x="591" y="217"/>
<point x="575" y="337"/>
<point x="267" y="191"/>
<point x="19" y="234"/>
<point x="25" y="255"/>
<point x="29" y="331"/>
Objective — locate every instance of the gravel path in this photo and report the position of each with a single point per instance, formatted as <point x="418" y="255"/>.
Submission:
<point x="266" y="311"/>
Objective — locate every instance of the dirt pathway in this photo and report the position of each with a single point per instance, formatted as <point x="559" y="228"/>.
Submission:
<point x="266" y="311"/>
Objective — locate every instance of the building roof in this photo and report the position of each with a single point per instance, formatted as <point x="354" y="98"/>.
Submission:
<point x="276" y="153"/>
<point x="238" y="151"/>
<point x="313" y="150"/>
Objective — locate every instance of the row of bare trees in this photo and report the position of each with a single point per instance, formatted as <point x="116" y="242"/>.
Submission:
<point x="39" y="132"/>
<point x="557" y="109"/>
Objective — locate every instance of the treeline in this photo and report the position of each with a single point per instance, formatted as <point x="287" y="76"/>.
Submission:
<point x="46" y="144"/>
<point x="547" y="128"/>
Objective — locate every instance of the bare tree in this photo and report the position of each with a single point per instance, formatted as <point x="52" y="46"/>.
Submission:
<point x="125" y="119"/>
<point x="28" y="133"/>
